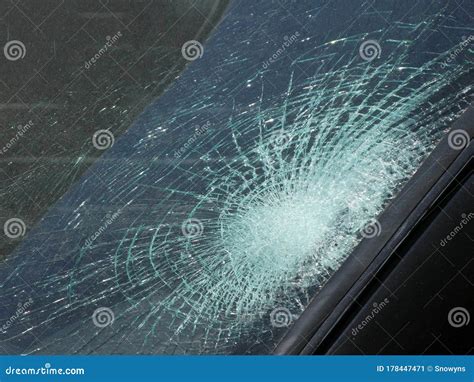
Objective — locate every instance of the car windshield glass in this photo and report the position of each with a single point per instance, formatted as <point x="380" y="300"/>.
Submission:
<point x="214" y="219"/>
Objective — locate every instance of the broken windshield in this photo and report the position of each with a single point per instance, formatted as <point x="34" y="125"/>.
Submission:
<point x="209" y="225"/>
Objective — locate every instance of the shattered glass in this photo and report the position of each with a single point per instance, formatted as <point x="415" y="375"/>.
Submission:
<point x="214" y="220"/>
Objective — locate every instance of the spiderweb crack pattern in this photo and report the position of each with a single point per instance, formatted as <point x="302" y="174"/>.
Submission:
<point x="296" y="160"/>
